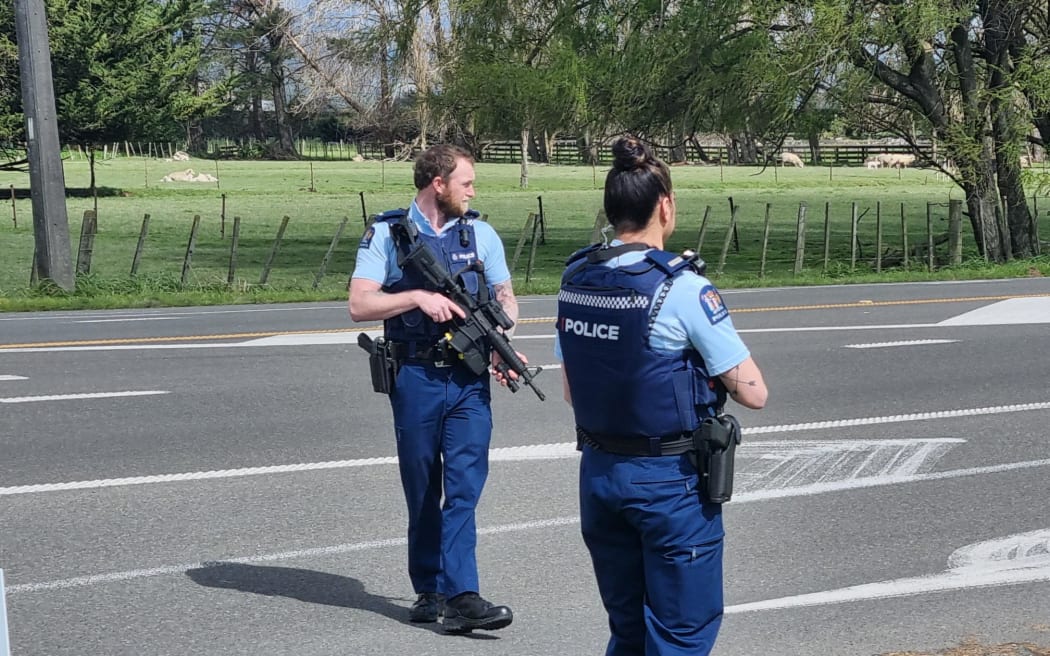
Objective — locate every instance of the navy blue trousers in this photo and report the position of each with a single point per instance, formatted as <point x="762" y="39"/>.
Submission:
<point x="656" y="550"/>
<point x="443" y="424"/>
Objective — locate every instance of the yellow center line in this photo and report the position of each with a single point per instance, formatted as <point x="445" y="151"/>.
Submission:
<point x="535" y="320"/>
<point x="917" y="301"/>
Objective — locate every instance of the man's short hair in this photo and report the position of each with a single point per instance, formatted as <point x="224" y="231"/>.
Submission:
<point x="438" y="161"/>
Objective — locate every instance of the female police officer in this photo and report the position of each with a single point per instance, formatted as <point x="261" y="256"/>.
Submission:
<point x="648" y="351"/>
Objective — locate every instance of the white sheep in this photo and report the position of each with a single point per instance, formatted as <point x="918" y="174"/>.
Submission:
<point x="792" y="159"/>
<point x="896" y="160"/>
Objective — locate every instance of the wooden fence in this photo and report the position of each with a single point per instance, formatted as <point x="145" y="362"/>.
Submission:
<point x="565" y="151"/>
<point x="568" y="152"/>
<point x="833" y="238"/>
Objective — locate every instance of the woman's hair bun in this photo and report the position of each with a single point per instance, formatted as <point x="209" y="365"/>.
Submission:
<point x="629" y="153"/>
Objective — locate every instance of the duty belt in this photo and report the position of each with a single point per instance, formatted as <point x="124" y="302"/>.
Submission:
<point x="669" y="445"/>
<point x="437" y="354"/>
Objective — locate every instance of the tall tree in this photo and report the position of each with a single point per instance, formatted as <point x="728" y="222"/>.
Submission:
<point x="947" y="66"/>
<point x="121" y="70"/>
<point x="256" y="37"/>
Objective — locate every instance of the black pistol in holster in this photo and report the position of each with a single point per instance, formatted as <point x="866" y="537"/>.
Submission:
<point x="381" y="363"/>
<point x="713" y="454"/>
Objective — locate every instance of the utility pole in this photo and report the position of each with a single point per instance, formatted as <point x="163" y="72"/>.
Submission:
<point x="46" y="178"/>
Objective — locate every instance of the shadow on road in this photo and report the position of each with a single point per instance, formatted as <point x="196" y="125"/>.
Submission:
<point x="303" y="584"/>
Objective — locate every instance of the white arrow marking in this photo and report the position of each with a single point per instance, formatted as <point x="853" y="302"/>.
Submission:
<point x="1020" y="558"/>
<point x="124" y="319"/>
<point x="1009" y="312"/>
<point x="914" y="342"/>
<point x="73" y="397"/>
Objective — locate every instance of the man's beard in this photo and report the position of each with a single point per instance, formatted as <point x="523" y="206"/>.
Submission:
<point x="448" y="208"/>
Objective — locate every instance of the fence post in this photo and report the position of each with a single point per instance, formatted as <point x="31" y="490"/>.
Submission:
<point x="14" y="210"/>
<point x="765" y="241"/>
<point x="904" y="235"/>
<point x="955" y="231"/>
<point x="878" y="236"/>
<point x="1035" y="226"/>
<point x="192" y="244"/>
<point x="703" y="229"/>
<point x="736" y="237"/>
<point x="728" y="241"/>
<point x="853" y="237"/>
<point x="233" y="250"/>
<point x="542" y="221"/>
<point x="600" y="221"/>
<point x="529" y="222"/>
<point x="929" y="237"/>
<point x="364" y="212"/>
<point x="222" y="219"/>
<point x="273" y="251"/>
<point x="827" y="233"/>
<point x="536" y="223"/>
<point x="142" y="243"/>
<point x="331" y="249"/>
<point x="800" y="238"/>
<point x="88" y="227"/>
<point x="5" y="643"/>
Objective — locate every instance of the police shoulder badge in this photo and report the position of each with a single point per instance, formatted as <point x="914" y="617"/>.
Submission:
<point x="366" y="239"/>
<point x="712" y="303"/>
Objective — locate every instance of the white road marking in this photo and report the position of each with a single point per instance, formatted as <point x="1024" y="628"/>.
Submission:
<point x="800" y="463"/>
<point x="528" y="452"/>
<point x="914" y="342"/>
<point x="892" y="419"/>
<point x="308" y="339"/>
<point x="350" y="337"/>
<point x="817" y="329"/>
<point x="122" y="320"/>
<point x="50" y="317"/>
<point x="82" y="581"/>
<point x="73" y="397"/>
<point x="97" y="579"/>
<point x="7" y="377"/>
<point x="5" y="641"/>
<point x="1009" y="312"/>
<point x="1021" y="558"/>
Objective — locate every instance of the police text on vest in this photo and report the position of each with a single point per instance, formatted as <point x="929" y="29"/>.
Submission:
<point x="587" y="329"/>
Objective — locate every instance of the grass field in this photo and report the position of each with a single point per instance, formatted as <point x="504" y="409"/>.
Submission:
<point x="261" y="193"/>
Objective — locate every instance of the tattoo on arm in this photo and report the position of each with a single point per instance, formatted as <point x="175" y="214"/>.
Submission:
<point x="735" y="382"/>
<point x="506" y="298"/>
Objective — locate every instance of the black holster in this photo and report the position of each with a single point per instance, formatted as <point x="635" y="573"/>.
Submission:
<point x="381" y="363"/>
<point x="714" y="451"/>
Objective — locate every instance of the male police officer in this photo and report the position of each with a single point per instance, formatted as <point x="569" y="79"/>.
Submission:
<point x="442" y="417"/>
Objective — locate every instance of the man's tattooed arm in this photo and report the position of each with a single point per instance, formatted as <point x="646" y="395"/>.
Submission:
<point x="506" y="298"/>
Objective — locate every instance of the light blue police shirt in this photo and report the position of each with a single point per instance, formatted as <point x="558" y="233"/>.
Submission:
<point x="692" y="315"/>
<point x="377" y="253"/>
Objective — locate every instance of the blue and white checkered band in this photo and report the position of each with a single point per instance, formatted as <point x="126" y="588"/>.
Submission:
<point x="623" y="302"/>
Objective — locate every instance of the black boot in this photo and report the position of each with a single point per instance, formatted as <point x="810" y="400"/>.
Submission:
<point x="468" y="611"/>
<point x="427" y="607"/>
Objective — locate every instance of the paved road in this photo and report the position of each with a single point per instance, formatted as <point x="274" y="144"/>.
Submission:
<point x="222" y="481"/>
